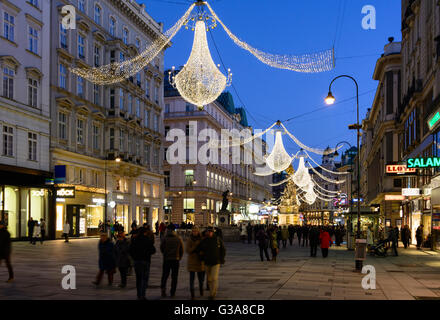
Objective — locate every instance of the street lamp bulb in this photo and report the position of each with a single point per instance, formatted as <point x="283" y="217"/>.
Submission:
<point x="118" y="159"/>
<point x="330" y="99"/>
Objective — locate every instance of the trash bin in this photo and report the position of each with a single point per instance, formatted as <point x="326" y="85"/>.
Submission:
<point x="360" y="253"/>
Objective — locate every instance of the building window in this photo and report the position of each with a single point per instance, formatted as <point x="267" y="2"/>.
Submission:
<point x="62" y="126"/>
<point x="156" y="94"/>
<point x="97" y="56"/>
<point x="121" y="99"/>
<point x="147" y="88"/>
<point x="167" y="108"/>
<point x="34" y="3"/>
<point x="80" y="131"/>
<point x="112" y="28"/>
<point x="189" y="178"/>
<point x="81" y="46"/>
<point x="129" y="103"/>
<point x="121" y="140"/>
<point x="33" y="92"/>
<point x="138" y="188"/>
<point x="155" y="156"/>
<point x="96" y="94"/>
<point x="97" y="15"/>
<point x="63" y="76"/>
<point x="95" y="137"/>
<point x="138" y="44"/>
<point x="167" y="179"/>
<point x="33" y="40"/>
<point x="138" y="79"/>
<point x="8" y="26"/>
<point x="112" y="138"/>
<point x="147" y="154"/>
<point x="112" y="98"/>
<point x="80" y="86"/>
<point x="8" y="140"/>
<point x="125" y="35"/>
<point x="82" y="5"/>
<point x="138" y="108"/>
<point x="63" y="36"/>
<point x="147" y="118"/>
<point x="156" y="123"/>
<point x="138" y="147"/>
<point x="121" y="56"/>
<point x="8" y="83"/>
<point x="32" y="143"/>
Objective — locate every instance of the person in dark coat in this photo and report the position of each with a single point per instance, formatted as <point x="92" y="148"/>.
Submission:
<point x="156" y="225"/>
<point x="405" y="236"/>
<point x="172" y="250"/>
<point x="263" y="243"/>
<point x="419" y="237"/>
<point x="141" y="250"/>
<point x="31" y="224"/>
<point x="249" y="232"/>
<point x="195" y="265"/>
<point x="314" y="241"/>
<point x="291" y="233"/>
<point x="278" y="236"/>
<point x="107" y="261"/>
<point x="212" y="252"/>
<point x="394" y="238"/>
<point x="5" y="249"/>
<point x="122" y="248"/>
<point x="299" y="233"/>
<point x="305" y="235"/>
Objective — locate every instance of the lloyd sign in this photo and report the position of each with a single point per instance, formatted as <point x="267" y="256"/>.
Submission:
<point x="66" y="192"/>
<point x="399" y="169"/>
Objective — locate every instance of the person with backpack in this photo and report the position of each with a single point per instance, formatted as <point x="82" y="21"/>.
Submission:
<point x="141" y="249"/>
<point x="172" y="250"/>
<point x="263" y="243"/>
<point x="212" y="252"/>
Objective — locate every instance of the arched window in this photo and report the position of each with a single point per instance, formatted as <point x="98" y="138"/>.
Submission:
<point x="97" y="14"/>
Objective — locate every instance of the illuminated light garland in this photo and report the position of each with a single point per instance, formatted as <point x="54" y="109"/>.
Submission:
<point x="262" y="172"/>
<point x="117" y="72"/>
<point x="319" y="193"/>
<point x="200" y="82"/>
<point x="307" y="63"/>
<point x="238" y="142"/>
<point x="326" y="178"/>
<point x="329" y="171"/>
<point x="329" y="191"/>
<point x="278" y="160"/>
<point x="303" y="146"/>
<point x="302" y="176"/>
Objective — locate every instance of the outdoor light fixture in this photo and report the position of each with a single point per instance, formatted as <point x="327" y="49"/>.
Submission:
<point x="118" y="159"/>
<point x="330" y="99"/>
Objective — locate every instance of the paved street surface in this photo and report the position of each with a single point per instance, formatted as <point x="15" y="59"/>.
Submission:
<point x="412" y="275"/>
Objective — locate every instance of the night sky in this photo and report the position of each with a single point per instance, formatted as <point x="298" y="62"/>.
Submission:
<point x="293" y="27"/>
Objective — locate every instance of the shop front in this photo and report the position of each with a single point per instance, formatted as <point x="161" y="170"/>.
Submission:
<point x="368" y="219"/>
<point x="23" y="195"/>
<point x="83" y="210"/>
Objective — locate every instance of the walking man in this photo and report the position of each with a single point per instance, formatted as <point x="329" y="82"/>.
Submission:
<point x="212" y="252"/>
<point x="141" y="250"/>
<point x="66" y="231"/>
<point x="42" y="229"/>
<point x="5" y="249"/>
<point x="31" y="224"/>
<point x="263" y="243"/>
<point x="172" y="250"/>
<point x="314" y="240"/>
<point x="299" y="233"/>
<point x="419" y="237"/>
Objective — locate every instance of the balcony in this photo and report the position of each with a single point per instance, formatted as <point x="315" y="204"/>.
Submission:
<point x="416" y="87"/>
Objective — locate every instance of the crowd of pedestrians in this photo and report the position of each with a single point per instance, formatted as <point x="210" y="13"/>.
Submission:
<point x="206" y="252"/>
<point x="274" y="237"/>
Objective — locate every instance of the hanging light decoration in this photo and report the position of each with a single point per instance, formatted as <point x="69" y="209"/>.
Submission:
<point x="302" y="176"/>
<point x="200" y="82"/>
<point x="278" y="160"/>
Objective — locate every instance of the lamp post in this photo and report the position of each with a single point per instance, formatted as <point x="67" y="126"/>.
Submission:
<point x="186" y="197"/>
<point x="105" y="191"/>
<point x="331" y="100"/>
<point x="351" y="177"/>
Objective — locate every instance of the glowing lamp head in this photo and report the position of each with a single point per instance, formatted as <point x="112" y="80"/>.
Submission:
<point x="330" y="99"/>
<point x="118" y="159"/>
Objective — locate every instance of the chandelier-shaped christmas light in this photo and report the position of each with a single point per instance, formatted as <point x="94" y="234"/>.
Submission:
<point x="302" y="176"/>
<point x="278" y="160"/>
<point x="200" y="82"/>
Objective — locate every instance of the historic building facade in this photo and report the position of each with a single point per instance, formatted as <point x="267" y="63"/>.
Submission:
<point x="107" y="137"/>
<point x="24" y="113"/>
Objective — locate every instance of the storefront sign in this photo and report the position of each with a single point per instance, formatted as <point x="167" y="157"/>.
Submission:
<point x="411" y="192"/>
<point x="120" y="197"/>
<point x="148" y="200"/>
<point x="38" y="193"/>
<point x="394" y="197"/>
<point x="98" y="200"/>
<point x="434" y="120"/>
<point x="66" y="192"/>
<point x="430" y="162"/>
<point x="399" y="169"/>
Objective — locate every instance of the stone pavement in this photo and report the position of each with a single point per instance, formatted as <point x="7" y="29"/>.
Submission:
<point x="295" y="276"/>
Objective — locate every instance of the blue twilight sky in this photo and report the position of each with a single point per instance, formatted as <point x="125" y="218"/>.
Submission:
<point x="293" y="27"/>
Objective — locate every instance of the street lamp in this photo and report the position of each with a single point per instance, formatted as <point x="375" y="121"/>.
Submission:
<point x="193" y="183"/>
<point x="118" y="159"/>
<point x="329" y="101"/>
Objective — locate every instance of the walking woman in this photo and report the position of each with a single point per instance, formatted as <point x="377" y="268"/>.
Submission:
<point x="325" y="239"/>
<point x="195" y="265"/>
<point x="274" y="244"/>
<point x="107" y="262"/>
